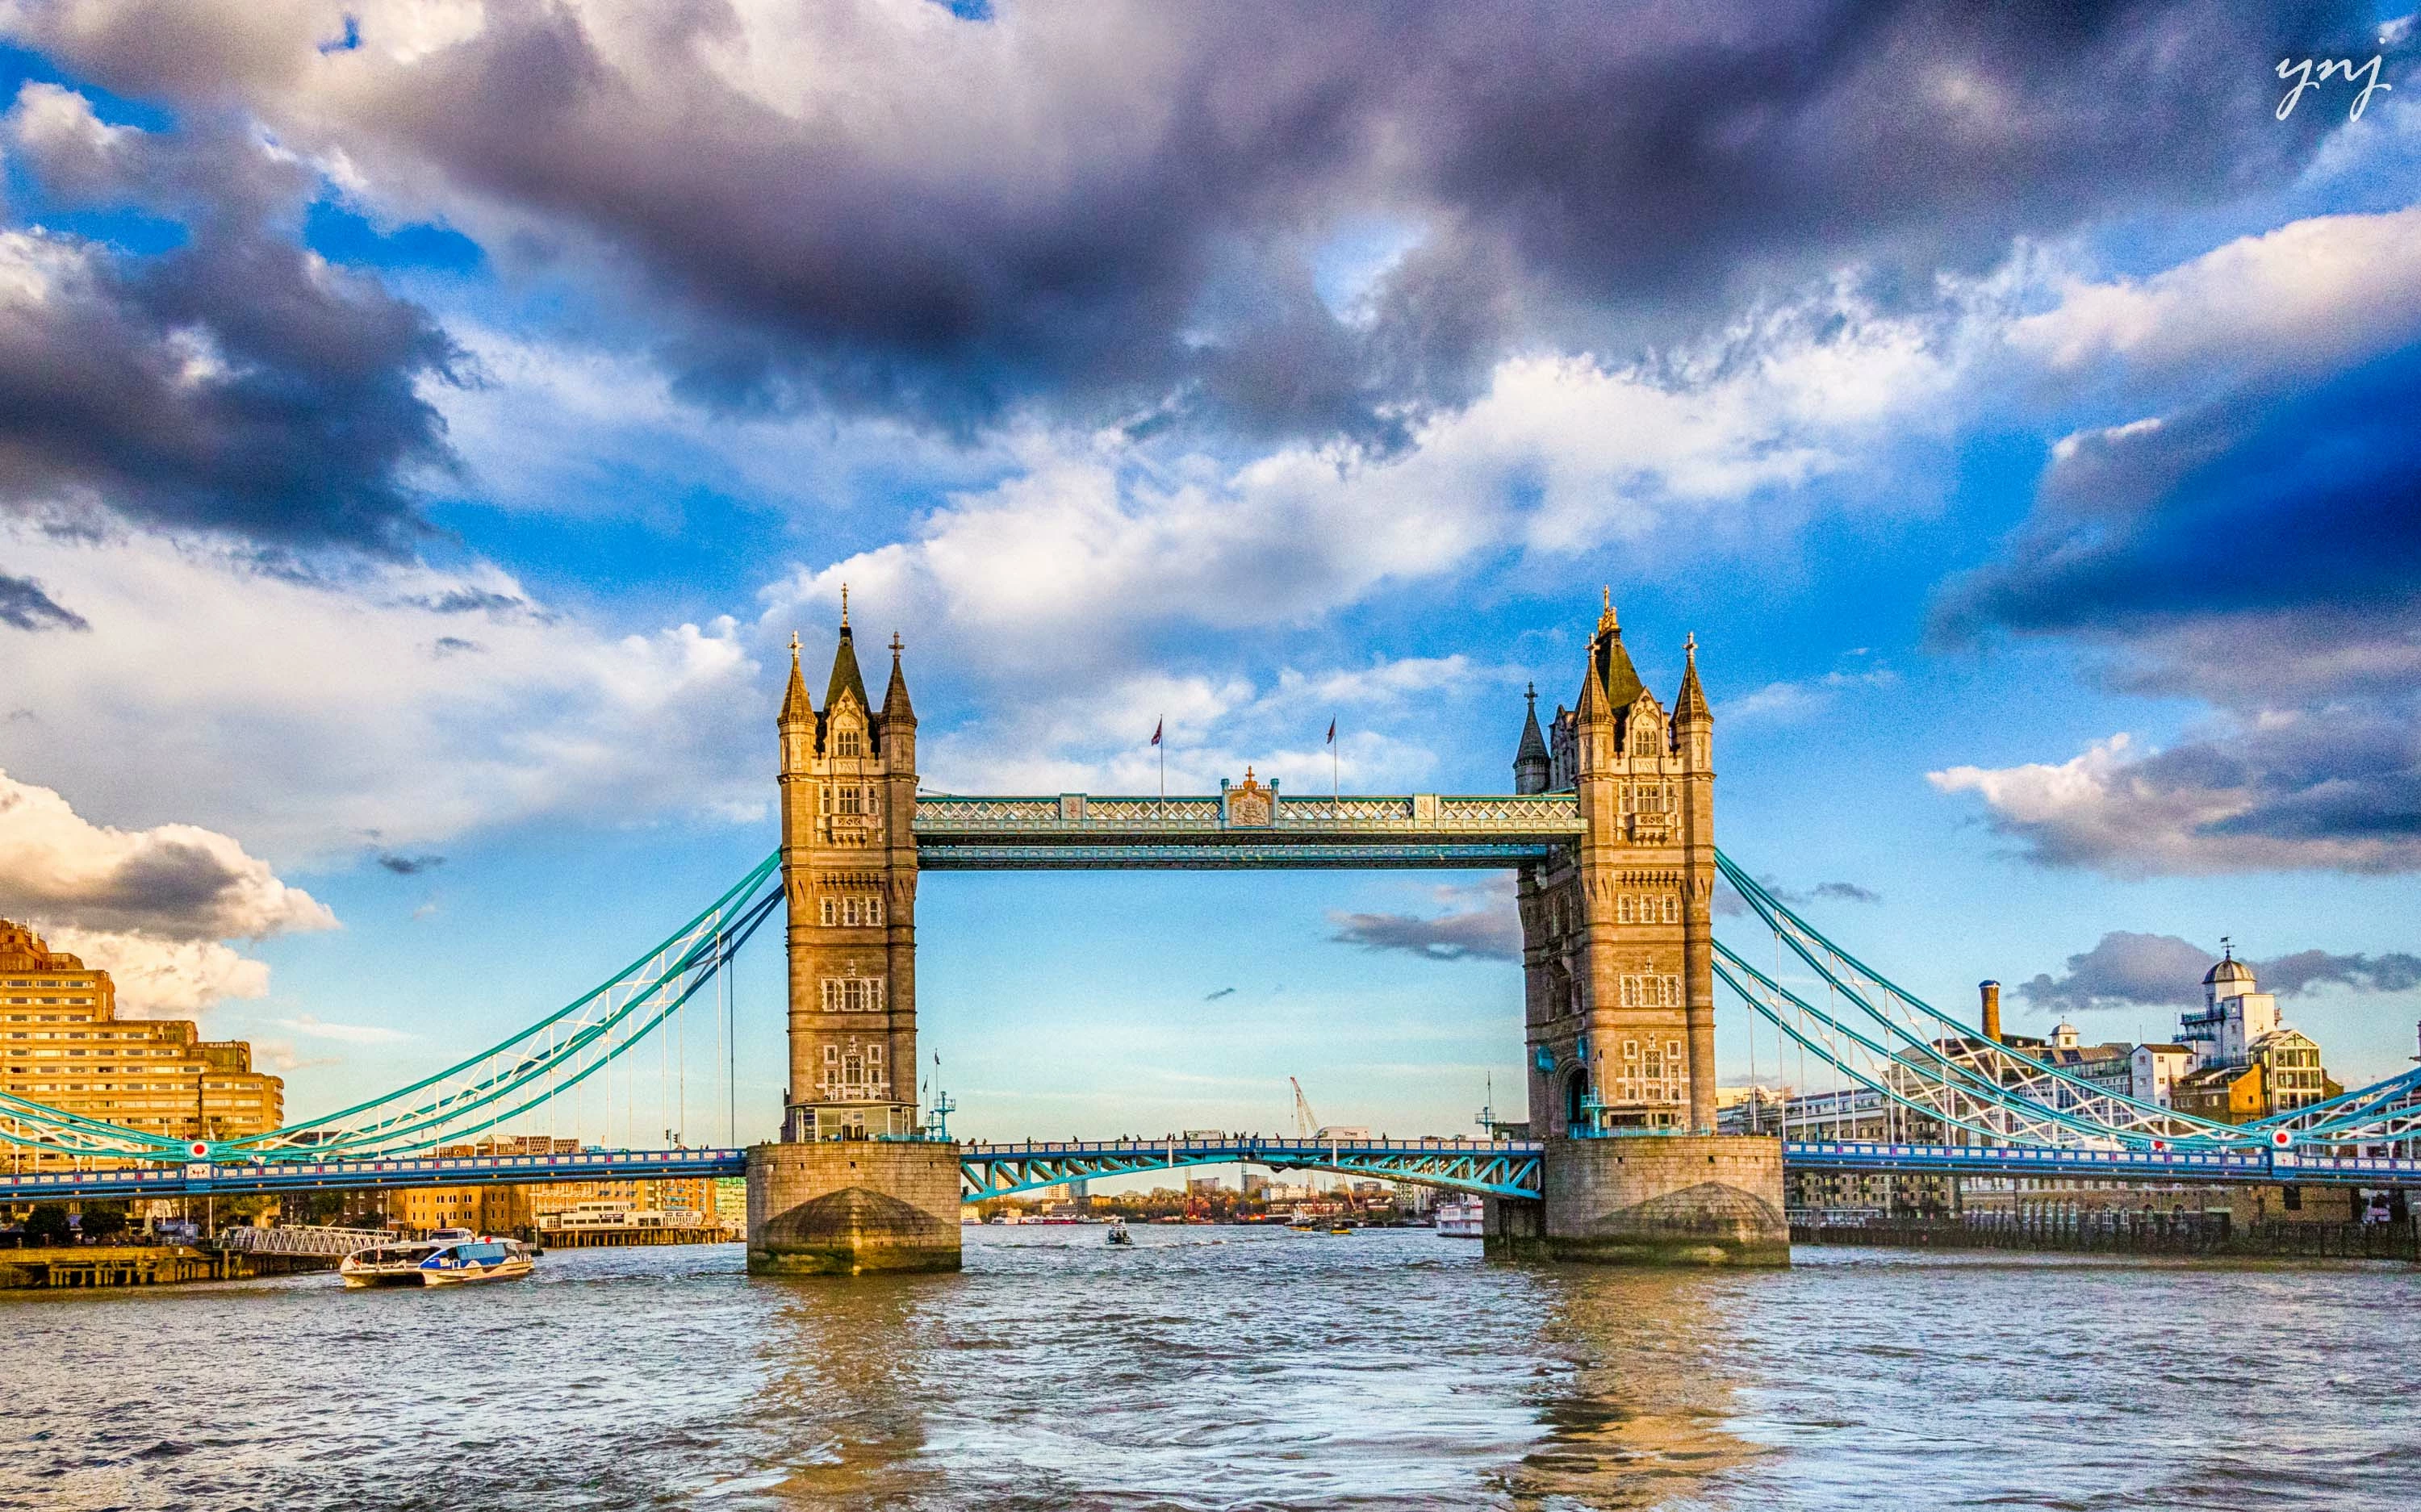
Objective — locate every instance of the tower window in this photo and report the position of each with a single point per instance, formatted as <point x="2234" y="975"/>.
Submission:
<point x="845" y="742"/>
<point x="852" y="994"/>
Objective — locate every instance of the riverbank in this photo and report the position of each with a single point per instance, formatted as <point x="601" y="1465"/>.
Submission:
<point x="86" y="1267"/>
<point x="2115" y="1232"/>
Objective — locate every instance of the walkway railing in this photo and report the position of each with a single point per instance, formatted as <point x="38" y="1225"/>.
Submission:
<point x="301" y="1239"/>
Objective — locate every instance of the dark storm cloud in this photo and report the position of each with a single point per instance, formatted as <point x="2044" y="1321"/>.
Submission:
<point x="24" y="606"/>
<point x="2260" y="553"/>
<point x="2291" y="976"/>
<point x="476" y="601"/>
<point x="2128" y="970"/>
<point x="408" y="866"/>
<point x="2246" y="507"/>
<point x="229" y="384"/>
<point x="1482" y="934"/>
<point x="1099" y="206"/>
<point x="2125" y="970"/>
<point x="1730" y="905"/>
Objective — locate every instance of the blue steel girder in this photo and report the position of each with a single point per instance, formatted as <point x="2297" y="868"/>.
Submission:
<point x="1505" y="1168"/>
<point x="1259" y="854"/>
<point x="337" y="1175"/>
<point x="1232" y="831"/>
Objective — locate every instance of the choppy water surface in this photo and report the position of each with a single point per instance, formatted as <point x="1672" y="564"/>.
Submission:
<point x="1229" y="1368"/>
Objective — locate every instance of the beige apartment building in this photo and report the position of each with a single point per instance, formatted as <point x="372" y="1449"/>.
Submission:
<point x="63" y="1045"/>
<point x="517" y="1209"/>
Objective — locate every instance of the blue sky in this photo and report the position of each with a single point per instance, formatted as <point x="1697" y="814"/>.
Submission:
<point x="424" y="429"/>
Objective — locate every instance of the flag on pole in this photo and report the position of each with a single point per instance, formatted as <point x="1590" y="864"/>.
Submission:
<point x="1156" y="728"/>
<point x="1332" y="732"/>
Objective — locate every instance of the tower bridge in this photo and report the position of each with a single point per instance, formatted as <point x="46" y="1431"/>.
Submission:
<point x="1610" y="832"/>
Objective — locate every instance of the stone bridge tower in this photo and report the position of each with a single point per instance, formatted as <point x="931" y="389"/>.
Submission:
<point x="1619" y="989"/>
<point x="850" y="1186"/>
<point x="849" y="871"/>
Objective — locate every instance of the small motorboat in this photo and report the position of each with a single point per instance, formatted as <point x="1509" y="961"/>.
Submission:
<point x="1118" y="1234"/>
<point x="449" y="1257"/>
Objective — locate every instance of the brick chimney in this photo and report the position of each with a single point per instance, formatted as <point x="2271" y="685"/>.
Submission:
<point x="1992" y="995"/>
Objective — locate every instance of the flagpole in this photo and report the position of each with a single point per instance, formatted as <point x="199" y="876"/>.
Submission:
<point x="1159" y="743"/>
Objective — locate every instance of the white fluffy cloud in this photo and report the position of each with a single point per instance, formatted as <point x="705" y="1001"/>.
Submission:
<point x="399" y="706"/>
<point x="2280" y="791"/>
<point x="151" y="907"/>
<point x="2313" y="295"/>
<point x="1096" y="543"/>
<point x="174" y="882"/>
<point x="164" y="979"/>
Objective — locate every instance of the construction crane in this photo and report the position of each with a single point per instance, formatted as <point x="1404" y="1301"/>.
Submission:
<point x="1305" y="1124"/>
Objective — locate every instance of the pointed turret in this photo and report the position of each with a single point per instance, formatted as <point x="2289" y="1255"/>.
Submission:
<point x="1530" y="762"/>
<point x="795" y="707"/>
<point x="896" y="708"/>
<point x="1611" y="662"/>
<point x="1690" y="706"/>
<point x="844" y="669"/>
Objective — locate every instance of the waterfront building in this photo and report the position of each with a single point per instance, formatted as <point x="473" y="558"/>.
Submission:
<point x="522" y="1207"/>
<point x="2155" y="1071"/>
<point x="63" y="1045"/>
<point x="2247" y="1064"/>
<point x="2233" y="1016"/>
<point x="2110" y="1065"/>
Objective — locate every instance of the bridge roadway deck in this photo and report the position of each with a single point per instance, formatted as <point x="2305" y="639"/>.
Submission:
<point x="1507" y="1167"/>
<point x="1228" y="831"/>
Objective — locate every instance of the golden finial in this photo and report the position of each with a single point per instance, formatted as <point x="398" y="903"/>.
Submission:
<point x="1690" y="645"/>
<point x="844" y="606"/>
<point x="1606" y="621"/>
<point x="794" y="645"/>
<point x="896" y="647"/>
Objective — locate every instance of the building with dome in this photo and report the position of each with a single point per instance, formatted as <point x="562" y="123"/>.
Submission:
<point x="2243" y="1063"/>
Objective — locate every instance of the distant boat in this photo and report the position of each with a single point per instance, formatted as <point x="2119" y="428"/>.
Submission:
<point x="1118" y="1234"/>
<point x="1465" y="1219"/>
<point x="447" y="1259"/>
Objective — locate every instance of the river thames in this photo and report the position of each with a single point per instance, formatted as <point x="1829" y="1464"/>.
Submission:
<point x="1231" y="1368"/>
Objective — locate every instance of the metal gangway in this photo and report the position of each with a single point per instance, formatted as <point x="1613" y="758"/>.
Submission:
<point x="303" y="1239"/>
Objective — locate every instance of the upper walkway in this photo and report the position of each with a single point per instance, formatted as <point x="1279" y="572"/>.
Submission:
<point x="1248" y="827"/>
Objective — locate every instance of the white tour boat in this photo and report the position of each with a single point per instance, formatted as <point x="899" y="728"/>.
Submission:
<point x="1461" y="1219"/>
<point x="445" y="1259"/>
